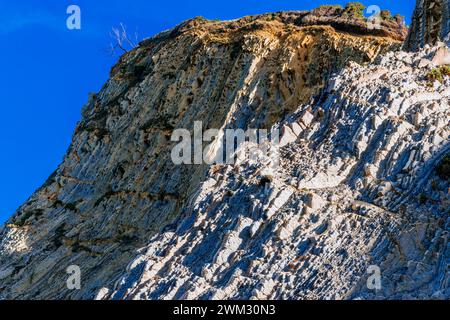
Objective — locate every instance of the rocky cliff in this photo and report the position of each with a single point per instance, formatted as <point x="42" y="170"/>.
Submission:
<point x="430" y="23"/>
<point x="357" y="183"/>
<point x="357" y="187"/>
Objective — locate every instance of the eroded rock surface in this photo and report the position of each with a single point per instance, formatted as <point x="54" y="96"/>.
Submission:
<point x="429" y="24"/>
<point x="117" y="186"/>
<point x="357" y="188"/>
<point x="356" y="185"/>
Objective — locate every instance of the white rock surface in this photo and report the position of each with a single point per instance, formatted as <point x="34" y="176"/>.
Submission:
<point x="375" y="216"/>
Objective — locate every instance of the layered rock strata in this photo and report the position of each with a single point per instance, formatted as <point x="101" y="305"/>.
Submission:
<point x="430" y="23"/>
<point x="358" y="183"/>
<point x="357" y="188"/>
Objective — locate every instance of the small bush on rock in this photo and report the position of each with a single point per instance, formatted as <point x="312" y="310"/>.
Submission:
<point x="386" y="15"/>
<point x="438" y="74"/>
<point x="354" y="10"/>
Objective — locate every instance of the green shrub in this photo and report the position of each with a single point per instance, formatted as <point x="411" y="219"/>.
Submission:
<point x="354" y="10"/>
<point x="438" y="74"/>
<point x="385" y="15"/>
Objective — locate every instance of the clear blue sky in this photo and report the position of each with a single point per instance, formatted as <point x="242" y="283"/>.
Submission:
<point x="47" y="70"/>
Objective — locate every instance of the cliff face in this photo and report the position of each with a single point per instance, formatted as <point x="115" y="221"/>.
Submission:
<point x="430" y="23"/>
<point x="207" y="232"/>
<point x="357" y="188"/>
<point x="117" y="185"/>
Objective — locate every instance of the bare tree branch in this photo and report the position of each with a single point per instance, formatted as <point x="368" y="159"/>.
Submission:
<point x="121" y="40"/>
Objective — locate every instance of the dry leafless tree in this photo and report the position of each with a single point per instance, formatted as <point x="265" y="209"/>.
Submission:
<point x="121" y="40"/>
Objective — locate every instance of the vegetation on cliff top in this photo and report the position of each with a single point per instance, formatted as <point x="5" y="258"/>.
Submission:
<point x="438" y="74"/>
<point x="356" y="10"/>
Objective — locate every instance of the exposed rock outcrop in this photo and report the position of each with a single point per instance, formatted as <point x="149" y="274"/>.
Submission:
<point x="361" y="186"/>
<point x="117" y="185"/>
<point x="346" y="19"/>
<point x="430" y="24"/>
<point x="357" y="183"/>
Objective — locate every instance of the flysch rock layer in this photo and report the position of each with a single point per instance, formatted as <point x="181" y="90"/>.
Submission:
<point x="117" y="186"/>
<point x="430" y="23"/>
<point x="356" y="184"/>
<point x="356" y="187"/>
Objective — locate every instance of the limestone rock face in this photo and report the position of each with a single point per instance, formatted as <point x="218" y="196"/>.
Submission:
<point x="355" y="184"/>
<point x="430" y="24"/>
<point x="359" y="189"/>
<point x="117" y="186"/>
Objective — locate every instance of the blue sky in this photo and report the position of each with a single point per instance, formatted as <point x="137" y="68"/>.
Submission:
<point x="47" y="70"/>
